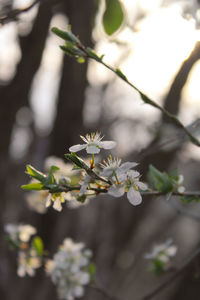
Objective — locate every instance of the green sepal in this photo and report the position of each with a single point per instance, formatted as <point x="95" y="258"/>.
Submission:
<point x="32" y="186"/>
<point x="113" y="16"/>
<point x="37" y="244"/>
<point x="30" y="170"/>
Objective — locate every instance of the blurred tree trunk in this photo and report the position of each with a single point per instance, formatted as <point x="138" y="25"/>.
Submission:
<point x="13" y="96"/>
<point x="69" y="120"/>
<point x="54" y="227"/>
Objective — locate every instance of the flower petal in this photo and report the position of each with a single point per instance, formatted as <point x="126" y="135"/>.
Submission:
<point x="57" y="205"/>
<point x="48" y="201"/>
<point x="134" y="196"/>
<point x="92" y="149"/>
<point x="77" y="148"/>
<point x="107" y="144"/>
<point x="107" y="172"/>
<point x="116" y="190"/>
<point x="141" y="185"/>
<point x="127" y="166"/>
<point x="133" y="174"/>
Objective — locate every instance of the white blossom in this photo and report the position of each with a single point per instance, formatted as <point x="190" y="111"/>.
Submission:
<point x="128" y="182"/>
<point x="163" y="252"/>
<point x="27" y="263"/>
<point x="113" y="167"/>
<point x="72" y="202"/>
<point x="68" y="269"/>
<point x="93" y="144"/>
<point x="20" y="232"/>
<point x="57" y="199"/>
<point x="84" y="185"/>
<point x="65" y="169"/>
<point x="36" y="201"/>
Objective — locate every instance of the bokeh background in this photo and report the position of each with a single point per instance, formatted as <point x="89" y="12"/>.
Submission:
<point x="48" y="100"/>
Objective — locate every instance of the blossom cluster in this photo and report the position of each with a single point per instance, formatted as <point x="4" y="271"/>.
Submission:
<point x="20" y="237"/>
<point x="69" y="269"/>
<point x="79" y="181"/>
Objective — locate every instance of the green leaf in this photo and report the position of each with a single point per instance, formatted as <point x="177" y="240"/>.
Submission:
<point x="81" y="60"/>
<point x="65" y="35"/>
<point x="81" y="198"/>
<point x="189" y="199"/>
<point x="80" y="163"/>
<point x="76" y="160"/>
<point x="160" y="181"/>
<point x="92" y="270"/>
<point x="30" y="170"/>
<point x="32" y="186"/>
<point x="50" y="182"/>
<point x="174" y="174"/>
<point x="37" y="244"/>
<point x="113" y="16"/>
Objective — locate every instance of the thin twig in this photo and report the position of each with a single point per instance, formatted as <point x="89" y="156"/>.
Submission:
<point x="179" y="272"/>
<point x="13" y="14"/>
<point x="144" y="97"/>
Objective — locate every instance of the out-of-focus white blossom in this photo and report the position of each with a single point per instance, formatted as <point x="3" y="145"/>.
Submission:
<point x="65" y="169"/>
<point x="93" y="144"/>
<point x="128" y="182"/>
<point x="162" y="253"/>
<point x="36" y="201"/>
<point x="28" y="262"/>
<point x="69" y="269"/>
<point x="20" y="232"/>
<point x="72" y="202"/>
<point x="84" y="185"/>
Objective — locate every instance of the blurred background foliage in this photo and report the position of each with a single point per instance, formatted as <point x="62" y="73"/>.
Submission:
<point x="48" y="99"/>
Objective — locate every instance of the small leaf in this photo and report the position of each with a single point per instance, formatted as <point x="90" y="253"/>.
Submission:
<point x="92" y="270"/>
<point x="65" y="35"/>
<point x="81" y="60"/>
<point x="81" y="198"/>
<point x="160" y="181"/>
<point x="113" y="16"/>
<point x="189" y="199"/>
<point x="33" y="186"/>
<point x="35" y="173"/>
<point x="37" y="244"/>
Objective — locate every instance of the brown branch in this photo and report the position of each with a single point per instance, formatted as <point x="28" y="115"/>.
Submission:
<point x="179" y="272"/>
<point x="13" y="14"/>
